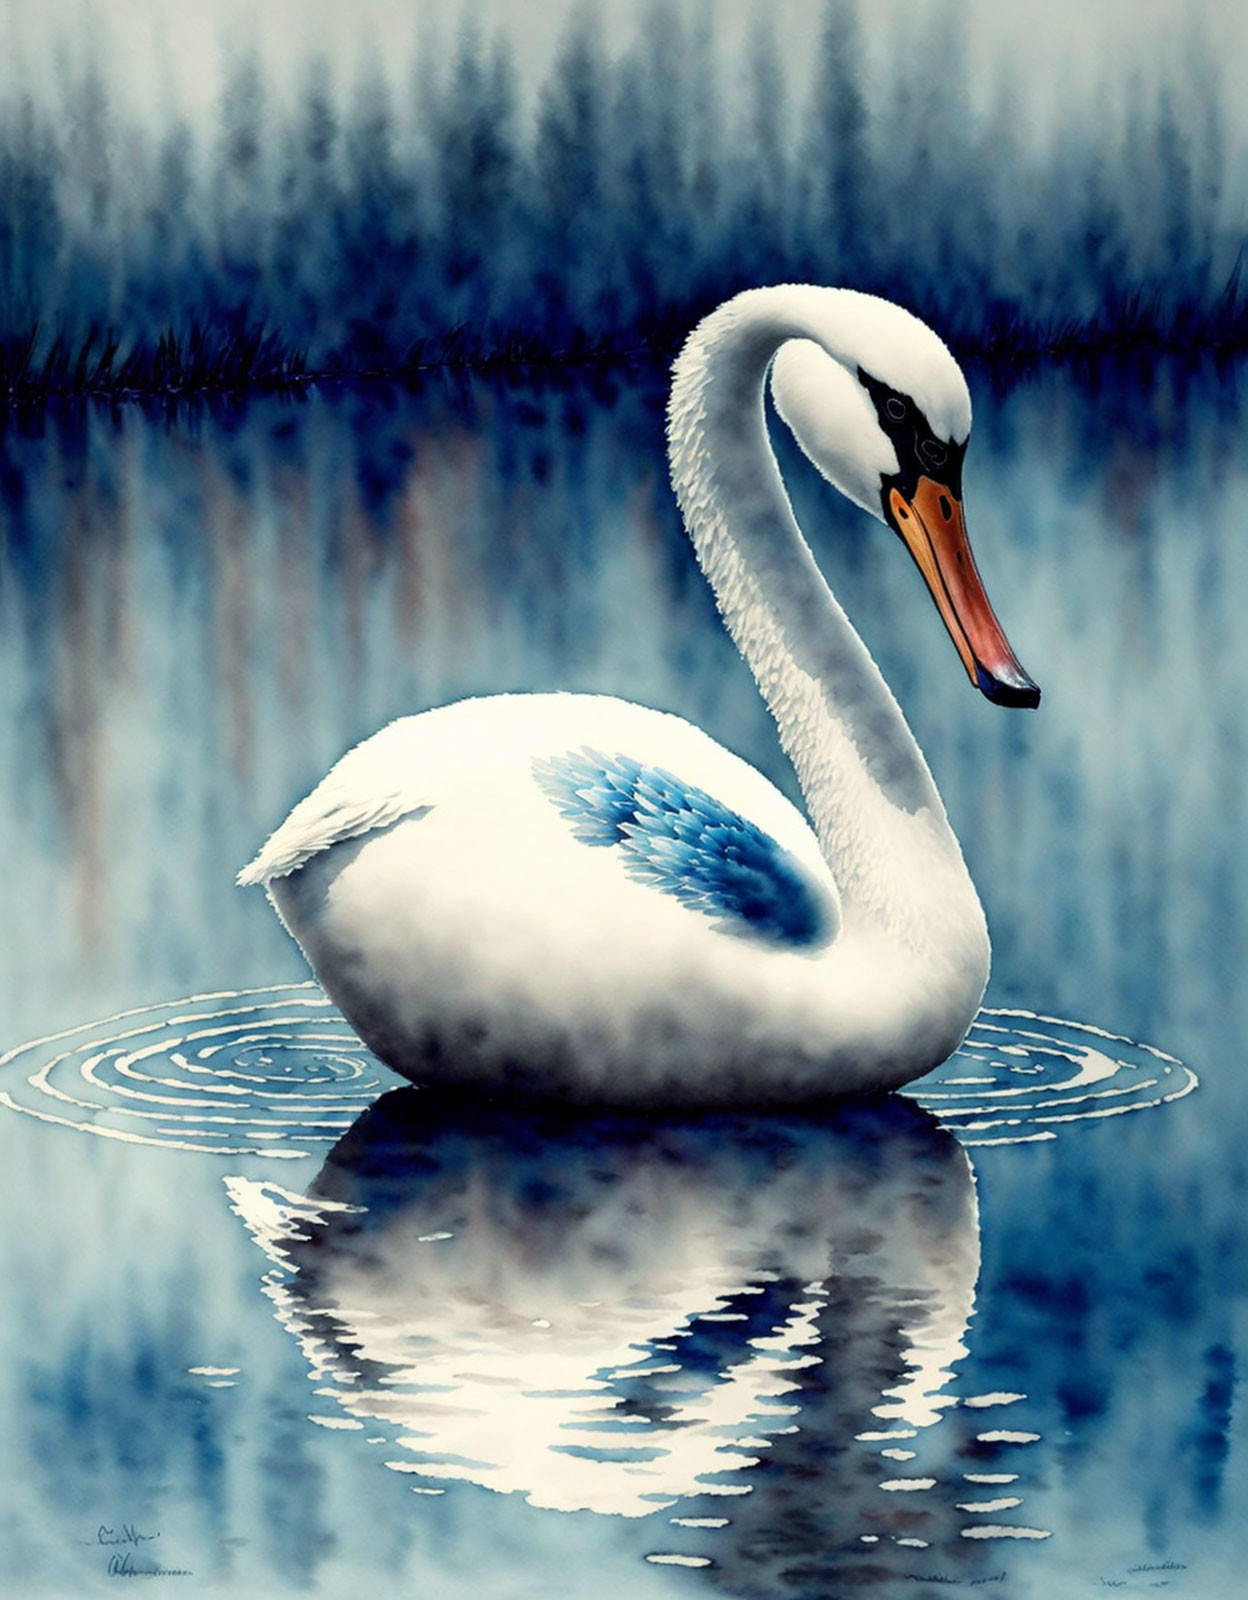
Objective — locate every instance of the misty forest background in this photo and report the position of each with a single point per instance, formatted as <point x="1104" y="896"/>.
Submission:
<point x="363" y="231"/>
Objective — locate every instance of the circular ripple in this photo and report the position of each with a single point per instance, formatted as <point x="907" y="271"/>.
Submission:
<point x="277" y="1072"/>
<point x="1017" y="1077"/>
<point x="271" y="1072"/>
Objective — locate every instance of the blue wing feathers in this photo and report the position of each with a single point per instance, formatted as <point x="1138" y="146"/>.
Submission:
<point x="679" y="839"/>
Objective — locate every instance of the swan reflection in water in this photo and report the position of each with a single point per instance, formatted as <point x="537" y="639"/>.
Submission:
<point x="747" y="1323"/>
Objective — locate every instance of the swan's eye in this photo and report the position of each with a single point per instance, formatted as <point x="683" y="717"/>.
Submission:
<point x="934" y="453"/>
<point x="895" y="408"/>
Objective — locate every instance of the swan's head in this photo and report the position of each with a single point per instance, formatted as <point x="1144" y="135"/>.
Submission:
<point x="882" y="410"/>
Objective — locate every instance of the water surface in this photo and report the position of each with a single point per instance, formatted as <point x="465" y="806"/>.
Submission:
<point x="319" y="1334"/>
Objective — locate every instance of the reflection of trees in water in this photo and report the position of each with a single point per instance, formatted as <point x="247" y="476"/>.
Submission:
<point x="719" y="1322"/>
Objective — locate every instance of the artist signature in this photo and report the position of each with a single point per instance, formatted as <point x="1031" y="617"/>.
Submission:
<point x="126" y="1534"/>
<point x="125" y="1566"/>
<point x="127" y="1561"/>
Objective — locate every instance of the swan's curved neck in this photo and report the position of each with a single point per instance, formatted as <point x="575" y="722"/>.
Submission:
<point x="867" y="787"/>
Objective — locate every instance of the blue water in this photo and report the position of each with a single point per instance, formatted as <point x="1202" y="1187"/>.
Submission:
<point x="258" y="1332"/>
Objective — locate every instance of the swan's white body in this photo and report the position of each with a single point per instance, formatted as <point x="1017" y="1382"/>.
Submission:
<point x="471" y="935"/>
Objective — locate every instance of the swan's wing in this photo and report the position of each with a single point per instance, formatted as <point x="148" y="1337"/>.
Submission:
<point x="683" y="841"/>
<point x="367" y="789"/>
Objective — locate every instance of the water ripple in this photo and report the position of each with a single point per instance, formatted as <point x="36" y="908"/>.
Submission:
<point x="277" y="1072"/>
<point x="1017" y="1077"/>
<point x="270" y="1072"/>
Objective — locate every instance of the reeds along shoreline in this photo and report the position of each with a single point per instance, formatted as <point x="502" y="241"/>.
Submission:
<point x="361" y="237"/>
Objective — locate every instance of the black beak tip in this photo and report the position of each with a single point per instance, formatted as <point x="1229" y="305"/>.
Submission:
<point x="1007" y="689"/>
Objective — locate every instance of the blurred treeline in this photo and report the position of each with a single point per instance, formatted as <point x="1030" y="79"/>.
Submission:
<point x="372" y="232"/>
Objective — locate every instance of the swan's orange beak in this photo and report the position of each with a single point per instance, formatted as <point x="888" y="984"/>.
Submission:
<point x="935" y="534"/>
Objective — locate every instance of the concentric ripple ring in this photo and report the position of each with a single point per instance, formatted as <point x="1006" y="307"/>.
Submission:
<point x="271" y="1072"/>
<point x="1018" y="1077"/>
<point x="277" y="1072"/>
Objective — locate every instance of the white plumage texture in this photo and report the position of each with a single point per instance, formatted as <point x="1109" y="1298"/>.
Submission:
<point x="369" y="788"/>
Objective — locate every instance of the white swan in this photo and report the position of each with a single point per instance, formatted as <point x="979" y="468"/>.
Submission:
<point x="574" y="896"/>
